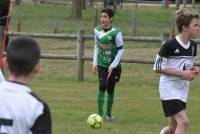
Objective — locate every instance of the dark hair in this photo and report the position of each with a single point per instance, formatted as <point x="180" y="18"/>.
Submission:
<point x="184" y="18"/>
<point x="108" y="11"/>
<point x="23" y="54"/>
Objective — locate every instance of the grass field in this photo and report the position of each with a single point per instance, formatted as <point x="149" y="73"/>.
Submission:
<point x="137" y="107"/>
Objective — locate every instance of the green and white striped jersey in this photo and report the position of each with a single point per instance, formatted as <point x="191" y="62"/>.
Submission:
<point x="108" y="47"/>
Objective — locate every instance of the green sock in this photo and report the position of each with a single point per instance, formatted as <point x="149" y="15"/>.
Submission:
<point x="110" y="99"/>
<point x="100" y="99"/>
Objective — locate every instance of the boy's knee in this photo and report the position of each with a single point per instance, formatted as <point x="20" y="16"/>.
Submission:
<point x="184" y="123"/>
<point x="171" y="130"/>
<point x="102" y="87"/>
<point x="109" y="91"/>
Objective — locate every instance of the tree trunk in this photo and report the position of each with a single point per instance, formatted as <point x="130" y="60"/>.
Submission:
<point x="78" y="9"/>
<point x="114" y="5"/>
<point x="91" y="3"/>
<point x="95" y="17"/>
<point x="120" y="2"/>
<point x="18" y="2"/>
<point x="177" y="4"/>
<point x="35" y="2"/>
<point x="165" y="3"/>
<point x="184" y="3"/>
<point x="83" y="4"/>
<point x="105" y="3"/>
<point x="73" y="8"/>
<point x="193" y="3"/>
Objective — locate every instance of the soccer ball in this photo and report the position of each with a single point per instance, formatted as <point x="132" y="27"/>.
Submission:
<point x="95" y="121"/>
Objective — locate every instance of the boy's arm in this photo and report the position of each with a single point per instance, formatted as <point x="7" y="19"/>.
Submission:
<point x="120" y="49"/>
<point x="184" y="74"/>
<point x="160" y="67"/>
<point x="96" y="50"/>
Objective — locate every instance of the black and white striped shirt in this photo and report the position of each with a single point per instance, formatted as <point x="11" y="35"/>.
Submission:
<point x="176" y="55"/>
<point x="22" y="112"/>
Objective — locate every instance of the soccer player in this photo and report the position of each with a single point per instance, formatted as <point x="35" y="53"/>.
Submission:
<point x="106" y="60"/>
<point x="21" y="111"/>
<point x="174" y="62"/>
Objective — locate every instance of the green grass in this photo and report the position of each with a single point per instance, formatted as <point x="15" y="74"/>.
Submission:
<point x="41" y="19"/>
<point x="137" y="108"/>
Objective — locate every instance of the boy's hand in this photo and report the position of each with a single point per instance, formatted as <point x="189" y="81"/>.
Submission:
<point x="109" y="72"/>
<point x="187" y="75"/>
<point x="94" y="69"/>
<point x="195" y="70"/>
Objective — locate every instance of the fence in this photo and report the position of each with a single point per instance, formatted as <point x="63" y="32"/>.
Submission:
<point x="81" y="37"/>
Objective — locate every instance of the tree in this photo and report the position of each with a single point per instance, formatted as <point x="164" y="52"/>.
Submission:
<point x="178" y="2"/>
<point x="110" y="4"/>
<point x="35" y="2"/>
<point x="165" y="3"/>
<point x="83" y="4"/>
<point x="18" y="2"/>
<point x="76" y="9"/>
<point x="91" y="3"/>
<point x="105" y="2"/>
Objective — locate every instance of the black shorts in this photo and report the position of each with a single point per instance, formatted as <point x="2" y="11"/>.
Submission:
<point x="171" y="107"/>
<point x="117" y="72"/>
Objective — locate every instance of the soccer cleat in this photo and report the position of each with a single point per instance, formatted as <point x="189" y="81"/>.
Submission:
<point x="100" y="114"/>
<point x="109" y="117"/>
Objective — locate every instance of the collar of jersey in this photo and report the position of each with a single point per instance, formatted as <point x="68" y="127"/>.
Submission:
<point x="186" y="46"/>
<point x="14" y="87"/>
<point x="105" y="33"/>
<point x="106" y="30"/>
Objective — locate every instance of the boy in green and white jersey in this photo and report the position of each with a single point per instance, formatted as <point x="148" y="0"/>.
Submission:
<point x="106" y="61"/>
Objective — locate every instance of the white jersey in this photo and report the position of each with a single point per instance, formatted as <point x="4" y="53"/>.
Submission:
<point x="21" y="112"/>
<point x="175" y="54"/>
<point x="1" y="77"/>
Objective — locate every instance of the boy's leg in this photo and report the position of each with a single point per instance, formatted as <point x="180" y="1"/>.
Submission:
<point x="110" y="96"/>
<point x="182" y="122"/>
<point x="170" y="129"/>
<point x="100" y="100"/>
<point x="110" y="100"/>
<point x="175" y="109"/>
<point x="102" y="74"/>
